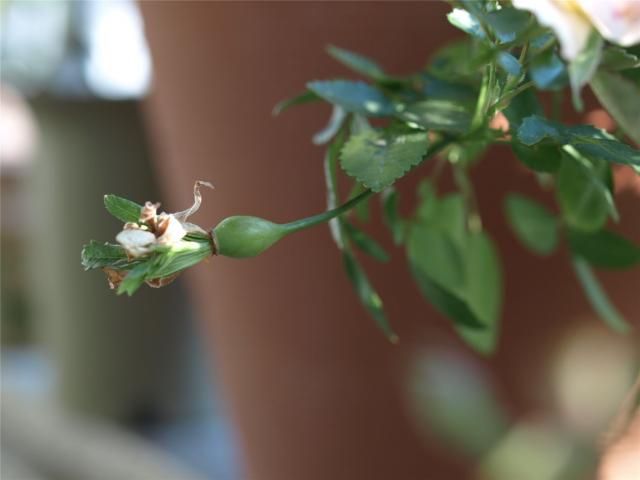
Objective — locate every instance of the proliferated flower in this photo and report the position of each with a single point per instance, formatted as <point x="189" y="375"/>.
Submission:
<point x="573" y="21"/>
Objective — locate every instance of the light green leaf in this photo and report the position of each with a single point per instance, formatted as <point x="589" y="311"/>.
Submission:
<point x="368" y="296"/>
<point x="338" y="116"/>
<point x="123" y="209"/>
<point x="365" y="243"/>
<point x="615" y="58"/>
<point x="582" y="191"/>
<point x="444" y="301"/>
<point x="483" y="291"/>
<point x="135" y="279"/>
<point x="391" y="215"/>
<point x="356" y="97"/>
<point x="597" y="296"/>
<point x="304" y="97"/>
<point x="582" y="68"/>
<point x="377" y="159"/>
<point x="604" y="249"/>
<point x="621" y="97"/>
<point x="534" y="225"/>
<point x="357" y="62"/>
<point x="99" y="255"/>
<point x="441" y="115"/>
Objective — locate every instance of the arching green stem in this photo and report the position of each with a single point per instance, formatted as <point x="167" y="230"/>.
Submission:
<point x="323" y="217"/>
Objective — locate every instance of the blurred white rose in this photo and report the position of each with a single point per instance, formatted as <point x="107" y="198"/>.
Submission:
<point x="573" y="20"/>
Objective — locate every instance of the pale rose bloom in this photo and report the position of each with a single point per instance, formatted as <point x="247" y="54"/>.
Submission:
<point x="136" y="242"/>
<point x="572" y="21"/>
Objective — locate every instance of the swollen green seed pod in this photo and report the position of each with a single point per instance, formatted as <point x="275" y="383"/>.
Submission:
<point x="244" y="236"/>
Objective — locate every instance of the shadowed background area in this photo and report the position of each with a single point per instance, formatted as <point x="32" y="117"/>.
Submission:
<point x="312" y="388"/>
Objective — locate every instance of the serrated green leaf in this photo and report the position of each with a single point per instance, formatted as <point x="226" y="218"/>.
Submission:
<point x="440" y="115"/>
<point x="179" y="257"/>
<point x="484" y="291"/>
<point x="368" y="296"/>
<point x="597" y="296"/>
<point x="535" y="226"/>
<point x="586" y="140"/>
<point x="123" y="209"/>
<point x="615" y="58"/>
<point x="357" y="62"/>
<point x="356" y="97"/>
<point x="438" y="89"/>
<point x="621" y="97"/>
<point x="582" y="68"/>
<point x="582" y="191"/>
<point x="604" y="249"/>
<point x="302" y="98"/>
<point x="99" y="255"/>
<point x="365" y="243"/>
<point x="377" y="159"/>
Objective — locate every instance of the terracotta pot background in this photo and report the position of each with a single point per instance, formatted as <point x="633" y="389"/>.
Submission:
<point x="314" y="389"/>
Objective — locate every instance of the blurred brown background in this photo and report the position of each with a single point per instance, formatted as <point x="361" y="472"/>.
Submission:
<point x="313" y="390"/>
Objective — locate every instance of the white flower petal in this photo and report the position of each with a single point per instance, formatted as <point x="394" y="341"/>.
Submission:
<point x="617" y="20"/>
<point x="136" y="242"/>
<point x="571" y="27"/>
<point x="173" y="233"/>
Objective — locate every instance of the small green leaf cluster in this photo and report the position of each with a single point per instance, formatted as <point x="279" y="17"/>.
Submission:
<point x="384" y="126"/>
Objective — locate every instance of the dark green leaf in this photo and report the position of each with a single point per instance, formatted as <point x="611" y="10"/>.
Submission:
<point x="123" y="209"/>
<point x="604" y="249"/>
<point x="304" y="97"/>
<point x="392" y="217"/>
<point x="540" y="158"/>
<point x="548" y="72"/>
<point x="507" y="23"/>
<point x="610" y="150"/>
<point x="597" y="297"/>
<point x="367" y="294"/>
<point x="509" y="64"/>
<point x="534" y="225"/>
<point x="438" y="89"/>
<point x="442" y="115"/>
<point x="445" y="302"/>
<point x="357" y="62"/>
<point x="377" y="159"/>
<point x="583" y="194"/>
<point x="483" y="291"/>
<point x="365" y="243"/>
<point x="621" y="97"/>
<point x="523" y="105"/>
<point x="535" y="129"/>
<point x="98" y="255"/>
<point x="134" y="279"/>
<point x="582" y="68"/>
<point x="357" y="97"/>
